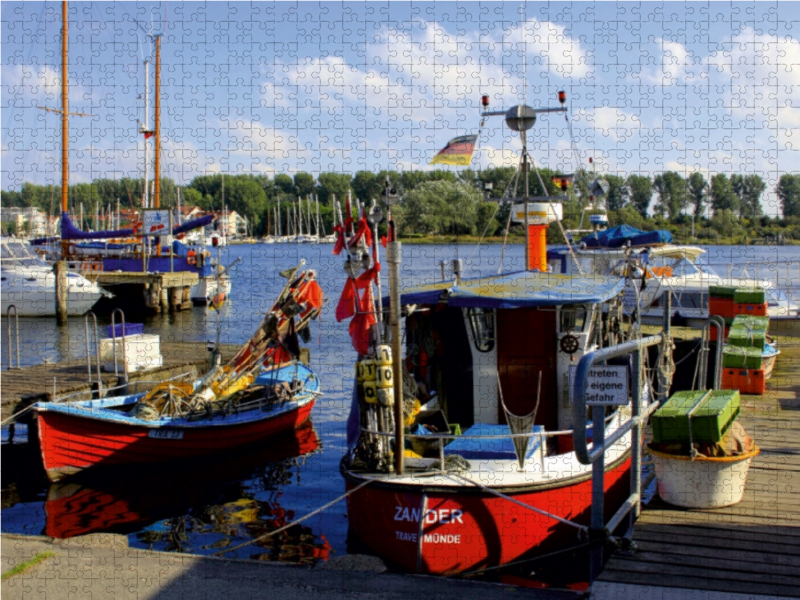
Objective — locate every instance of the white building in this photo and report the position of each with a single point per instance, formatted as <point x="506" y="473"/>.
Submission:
<point x="29" y="219"/>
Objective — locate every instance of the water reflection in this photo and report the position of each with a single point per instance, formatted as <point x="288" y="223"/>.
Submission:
<point x="199" y="506"/>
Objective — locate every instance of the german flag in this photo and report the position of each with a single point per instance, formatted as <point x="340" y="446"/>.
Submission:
<point x="563" y="181"/>
<point x="457" y="152"/>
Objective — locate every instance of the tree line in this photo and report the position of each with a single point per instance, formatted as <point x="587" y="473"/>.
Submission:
<point x="455" y="203"/>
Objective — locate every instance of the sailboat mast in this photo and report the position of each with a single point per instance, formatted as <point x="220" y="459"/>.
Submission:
<point x="157" y="134"/>
<point x="146" y="131"/>
<point x="64" y="123"/>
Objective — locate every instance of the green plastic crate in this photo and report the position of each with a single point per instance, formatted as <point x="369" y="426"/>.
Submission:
<point x="750" y="296"/>
<point x="754" y="323"/>
<point x="710" y="420"/>
<point x="747" y="338"/>
<point x="721" y="291"/>
<point x="741" y="358"/>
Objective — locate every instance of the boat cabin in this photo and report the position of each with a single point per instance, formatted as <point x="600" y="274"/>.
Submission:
<point x="471" y="344"/>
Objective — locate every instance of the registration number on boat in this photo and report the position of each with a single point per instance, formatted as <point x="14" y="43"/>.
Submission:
<point x="165" y="434"/>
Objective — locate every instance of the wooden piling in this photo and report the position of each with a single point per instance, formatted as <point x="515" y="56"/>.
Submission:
<point x="61" y="292"/>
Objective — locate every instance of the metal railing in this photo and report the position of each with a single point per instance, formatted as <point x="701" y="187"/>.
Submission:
<point x="114" y="343"/>
<point x="783" y="273"/>
<point x="99" y="381"/>
<point x="16" y="335"/>
<point x="441" y="439"/>
<point x="112" y="391"/>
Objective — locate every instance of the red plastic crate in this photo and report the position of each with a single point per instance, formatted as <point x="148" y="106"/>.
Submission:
<point x="713" y="336"/>
<point x="747" y="381"/>
<point x="723" y="307"/>
<point x="753" y="310"/>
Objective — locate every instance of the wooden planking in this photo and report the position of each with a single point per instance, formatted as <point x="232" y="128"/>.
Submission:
<point x="752" y="547"/>
<point x="72" y="376"/>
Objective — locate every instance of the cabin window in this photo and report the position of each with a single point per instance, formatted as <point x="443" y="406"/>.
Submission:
<point x="481" y="322"/>
<point x="573" y="319"/>
<point x="688" y="300"/>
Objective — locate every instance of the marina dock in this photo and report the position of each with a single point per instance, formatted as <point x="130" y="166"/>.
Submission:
<point x="161" y="292"/>
<point x="71" y="376"/>
<point x="752" y="547"/>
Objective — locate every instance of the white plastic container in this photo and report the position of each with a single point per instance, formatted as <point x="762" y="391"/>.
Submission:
<point x="703" y="482"/>
<point x="142" y="352"/>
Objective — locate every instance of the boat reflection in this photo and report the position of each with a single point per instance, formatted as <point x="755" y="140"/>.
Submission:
<point x="200" y="506"/>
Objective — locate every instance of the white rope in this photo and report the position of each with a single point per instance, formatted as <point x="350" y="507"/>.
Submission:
<point x="581" y="528"/>
<point x="295" y="522"/>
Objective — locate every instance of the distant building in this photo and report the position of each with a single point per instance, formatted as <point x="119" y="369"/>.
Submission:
<point x="29" y="220"/>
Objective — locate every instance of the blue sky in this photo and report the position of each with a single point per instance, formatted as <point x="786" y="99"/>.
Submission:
<point x="283" y="87"/>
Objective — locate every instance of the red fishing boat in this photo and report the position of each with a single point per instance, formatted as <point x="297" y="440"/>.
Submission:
<point x="124" y="504"/>
<point x="261" y="391"/>
<point x="488" y="473"/>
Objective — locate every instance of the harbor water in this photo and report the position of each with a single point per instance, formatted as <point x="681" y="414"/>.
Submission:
<point x="221" y="501"/>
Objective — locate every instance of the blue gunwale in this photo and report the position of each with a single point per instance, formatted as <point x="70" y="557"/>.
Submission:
<point x="100" y="409"/>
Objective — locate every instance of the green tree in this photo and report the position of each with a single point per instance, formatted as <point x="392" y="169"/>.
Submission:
<point x="440" y="207"/>
<point x="304" y="184"/>
<point x="192" y="197"/>
<point x="788" y="191"/>
<point x="285" y="184"/>
<point x="366" y="186"/>
<point x="618" y="193"/>
<point x="244" y="195"/>
<point x="672" y="194"/>
<point x="499" y="177"/>
<point x="722" y="196"/>
<point x="486" y="218"/>
<point x="333" y="183"/>
<point x="698" y="192"/>
<point x="641" y="191"/>
<point x="748" y="190"/>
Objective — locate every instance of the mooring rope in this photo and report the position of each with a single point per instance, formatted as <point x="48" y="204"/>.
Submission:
<point x="17" y="414"/>
<point x="581" y="528"/>
<point x="296" y="522"/>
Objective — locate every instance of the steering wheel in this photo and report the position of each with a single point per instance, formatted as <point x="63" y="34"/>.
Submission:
<point x="569" y="344"/>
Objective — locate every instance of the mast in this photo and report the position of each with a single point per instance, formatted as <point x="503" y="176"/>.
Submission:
<point x="157" y="169"/>
<point x="145" y="129"/>
<point x="64" y="124"/>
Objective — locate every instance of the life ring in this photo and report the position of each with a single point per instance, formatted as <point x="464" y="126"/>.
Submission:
<point x="191" y="257"/>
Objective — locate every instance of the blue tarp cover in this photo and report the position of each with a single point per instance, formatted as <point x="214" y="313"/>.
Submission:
<point x="496" y="448"/>
<point x="619" y="236"/>
<point x="70" y="232"/>
<point x="517" y="290"/>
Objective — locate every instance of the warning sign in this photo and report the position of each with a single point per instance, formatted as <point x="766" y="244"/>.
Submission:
<point x="607" y="385"/>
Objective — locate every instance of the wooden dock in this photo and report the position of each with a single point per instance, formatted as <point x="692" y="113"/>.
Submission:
<point x="72" y="376"/>
<point x="160" y="292"/>
<point x="752" y="547"/>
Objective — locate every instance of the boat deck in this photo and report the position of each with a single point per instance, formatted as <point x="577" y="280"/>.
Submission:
<point x="752" y="547"/>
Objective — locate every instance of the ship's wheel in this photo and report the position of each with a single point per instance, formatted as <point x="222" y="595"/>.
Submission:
<point x="569" y="344"/>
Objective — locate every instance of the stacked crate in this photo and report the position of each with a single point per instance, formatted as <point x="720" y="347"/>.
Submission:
<point x="695" y="417"/>
<point x="721" y="304"/>
<point x="742" y="357"/>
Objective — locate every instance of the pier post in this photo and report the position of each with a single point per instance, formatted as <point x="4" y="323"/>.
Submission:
<point x="163" y="297"/>
<point x="61" y="292"/>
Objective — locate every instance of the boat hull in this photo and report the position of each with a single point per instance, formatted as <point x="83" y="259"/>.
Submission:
<point x="466" y="529"/>
<point x="72" y="443"/>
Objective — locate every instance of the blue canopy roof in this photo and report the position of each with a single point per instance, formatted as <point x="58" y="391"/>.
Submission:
<point x="517" y="290"/>
<point x="619" y="236"/>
